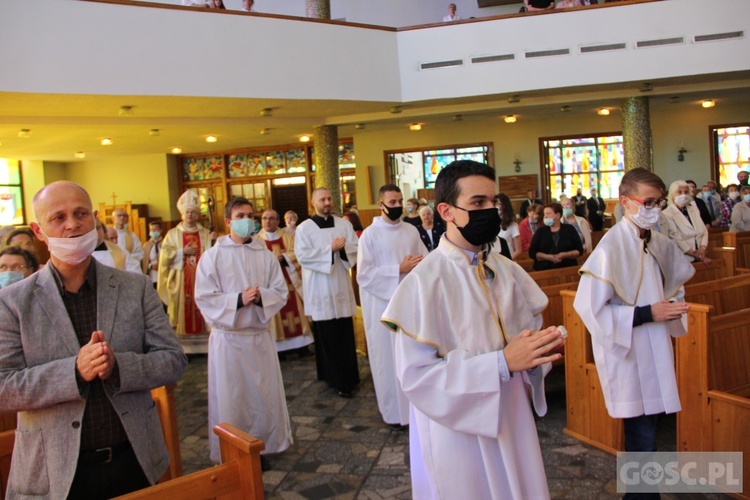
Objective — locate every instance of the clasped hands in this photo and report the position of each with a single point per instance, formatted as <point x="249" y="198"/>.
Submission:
<point x="337" y="244"/>
<point x="530" y="349"/>
<point x="96" y="359"/>
<point x="251" y="294"/>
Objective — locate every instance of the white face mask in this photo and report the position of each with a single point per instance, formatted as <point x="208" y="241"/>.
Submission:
<point x="645" y="218"/>
<point x="72" y="251"/>
<point x="682" y="199"/>
<point x="734" y="195"/>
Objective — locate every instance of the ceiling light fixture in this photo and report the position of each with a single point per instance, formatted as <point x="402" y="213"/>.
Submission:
<point x="674" y="99"/>
<point x="396" y="110"/>
<point x="211" y="138"/>
<point x="514" y="99"/>
<point x="646" y="87"/>
<point x="106" y="141"/>
<point x="304" y="138"/>
<point x="457" y="118"/>
<point x="602" y="112"/>
<point x="360" y="126"/>
<point x="510" y="119"/>
<point x="565" y="109"/>
<point x="126" y="111"/>
<point x="708" y="103"/>
<point x="265" y="131"/>
<point x="266" y="112"/>
<point x="415" y="126"/>
<point x="24" y="133"/>
<point x="79" y="154"/>
<point x="176" y="150"/>
<point x="154" y="132"/>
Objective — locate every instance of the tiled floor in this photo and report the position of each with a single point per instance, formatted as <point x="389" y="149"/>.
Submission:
<point x="343" y="450"/>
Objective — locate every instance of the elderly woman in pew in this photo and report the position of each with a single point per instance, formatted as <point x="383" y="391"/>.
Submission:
<point x="741" y="212"/>
<point x="684" y="224"/>
<point x="555" y="245"/>
<point x="580" y="224"/>
<point x="430" y="230"/>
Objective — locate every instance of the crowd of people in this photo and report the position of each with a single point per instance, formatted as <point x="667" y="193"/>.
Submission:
<point x="448" y="318"/>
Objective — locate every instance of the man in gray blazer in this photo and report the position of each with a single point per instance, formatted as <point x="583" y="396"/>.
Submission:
<point x="81" y="346"/>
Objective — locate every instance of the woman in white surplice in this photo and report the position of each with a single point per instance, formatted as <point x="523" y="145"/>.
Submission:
<point x="239" y="289"/>
<point x="467" y="344"/>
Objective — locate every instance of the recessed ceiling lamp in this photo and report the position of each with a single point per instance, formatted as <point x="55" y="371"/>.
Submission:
<point x="265" y="131"/>
<point x="514" y="99"/>
<point x="708" y="103"/>
<point x="266" y="112"/>
<point x="176" y="150"/>
<point x="415" y="126"/>
<point x="106" y="141"/>
<point x="674" y="99"/>
<point x="304" y="138"/>
<point x="360" y="126"/>
<point x="154" y="132"/>
<point x="510" y="119"/>
<point x="126" y="111"/>
<point x="24" y="133"/>
<point x="565" y="109"/>
<point x="79" y="154"/>
<point x="602" y="112"/>
<point x="396" y="110"/>
<point x="211" y="138"/>
<point x="646" y="87"/>
<point x="457" y="118"/>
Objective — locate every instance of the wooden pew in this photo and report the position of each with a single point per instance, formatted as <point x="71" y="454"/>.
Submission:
<point x="525" y="262"/>
<point x="722" y="266"/>
<point x="239" y="476"/>
<point x="587" y="417"/>
<point x="724" y="295"/>
<point x="553" y="315"/>
<point x="165" y="407"/>
<point x="556" y="276"/>
<point x="714" y="384"/>
<point x="740" y="242"/>
<point x="715" y="239"/>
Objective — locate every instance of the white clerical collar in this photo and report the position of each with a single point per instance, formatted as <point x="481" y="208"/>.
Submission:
<point x="273" y="236"/>
<point x="473" y="256"/>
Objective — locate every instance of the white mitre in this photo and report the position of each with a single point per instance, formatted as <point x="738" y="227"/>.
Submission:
<point x="189" y="199"/>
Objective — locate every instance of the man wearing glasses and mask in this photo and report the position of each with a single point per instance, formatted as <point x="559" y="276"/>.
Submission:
<point x="468" y="342"/>
<point x="632" y="305"/>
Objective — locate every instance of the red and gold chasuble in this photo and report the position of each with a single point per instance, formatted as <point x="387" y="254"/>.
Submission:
<point x="193" y="318"/>
<point x="290" y="314"/>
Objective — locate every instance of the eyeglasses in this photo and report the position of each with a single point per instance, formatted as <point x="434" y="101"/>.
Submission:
<point x="15" y="268"/>
<point x="649" y="204"/>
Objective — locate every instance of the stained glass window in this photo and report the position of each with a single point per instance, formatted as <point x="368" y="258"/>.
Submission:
<point x="586" y="163"/>
<point x="11" y="193"/>
<point x="434" y="161"/>
<point x="732" y="152"/>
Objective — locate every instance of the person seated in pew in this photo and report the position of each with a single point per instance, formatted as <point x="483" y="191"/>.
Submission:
<point x="555" y="245"/>
<point x="733" y="197"/>
<point x="529" y="224"/>
<point x="430" y="230"/>
<point x="741" y="212"/>
<point x="15" y="265"/>
<point x="632" y="305"/>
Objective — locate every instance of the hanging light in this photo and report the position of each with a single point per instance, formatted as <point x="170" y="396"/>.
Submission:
<point x="510" y="119"/>
<point x="708" y="103"/>
<point x="415" y="126"/>
<point x="602" y="112"/>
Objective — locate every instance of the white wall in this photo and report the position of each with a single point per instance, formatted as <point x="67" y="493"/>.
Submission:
<point x="93" y="48"/>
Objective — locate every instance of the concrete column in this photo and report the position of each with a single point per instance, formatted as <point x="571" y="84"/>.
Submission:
<point x="327" y="162"/>
<point x="636" y="133"/>
<point x="318" y="9"/>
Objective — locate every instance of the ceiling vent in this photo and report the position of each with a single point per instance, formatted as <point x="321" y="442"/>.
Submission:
<point x="486" y="59"/>
<point x="660" y="42"/>
<point x="547" y="53"/>
<point x="603" y="47"/>
<point x="719" y="36"/>
<point x="441" y="64"/>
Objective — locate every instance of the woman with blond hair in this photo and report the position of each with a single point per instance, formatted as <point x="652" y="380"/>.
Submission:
<point x="684" y="224"/>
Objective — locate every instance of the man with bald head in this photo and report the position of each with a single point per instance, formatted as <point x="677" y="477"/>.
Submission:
<point x="127" y="239"/>
<point x="81" y="346"/>
<point x="326" y="248"/>
<point x="290" y="326"/>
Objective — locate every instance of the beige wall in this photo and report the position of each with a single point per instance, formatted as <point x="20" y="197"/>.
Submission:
<point x="138" y="179"/>
<point x="686" y="123"/>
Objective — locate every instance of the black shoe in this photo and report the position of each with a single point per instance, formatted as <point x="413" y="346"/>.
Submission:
<point x="346" y="393"/>
<point x="398" y="427"/>
<point x="264" y="464"/>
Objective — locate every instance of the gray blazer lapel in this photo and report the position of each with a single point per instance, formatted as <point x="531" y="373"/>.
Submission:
<point x="48" y="295"/>
<point x="107" y="291"/>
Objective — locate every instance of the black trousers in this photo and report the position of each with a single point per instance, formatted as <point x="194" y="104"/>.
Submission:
<point x="121" y="475"/>
<point x="335" y="353"/>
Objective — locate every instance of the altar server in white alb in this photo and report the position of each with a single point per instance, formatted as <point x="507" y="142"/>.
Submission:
<point x="326" y="248"/>
<point x="468" y="344"/>
<point x="388" y="250"/>
<point x="631" y="300"/>
<point x="239" y="288"/>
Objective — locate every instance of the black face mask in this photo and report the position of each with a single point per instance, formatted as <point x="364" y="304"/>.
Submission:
<point x="393" y="213"/>
<point x="483" y="226"/>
